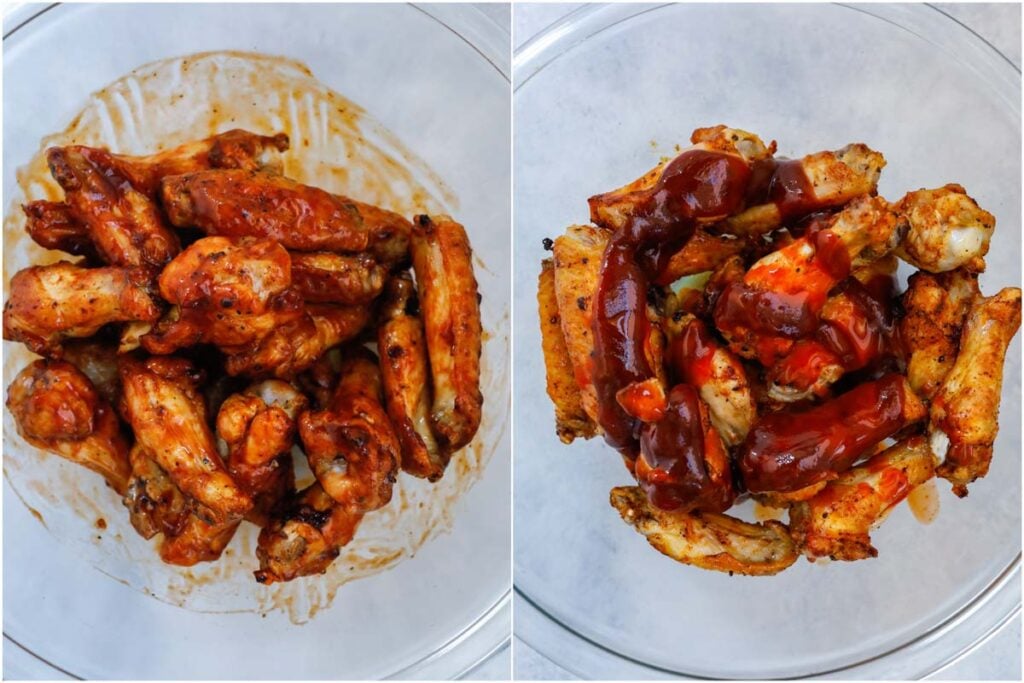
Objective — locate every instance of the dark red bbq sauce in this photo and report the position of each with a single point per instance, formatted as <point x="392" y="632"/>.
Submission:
<point x="791" y="450"/>
<point x="697" y="184"/>
<point x="673" y="470"/>
<point x="775" y="313"/>
<point x="869" y="334"/>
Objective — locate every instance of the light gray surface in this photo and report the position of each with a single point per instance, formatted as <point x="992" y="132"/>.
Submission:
<point x="1000" y="657"/>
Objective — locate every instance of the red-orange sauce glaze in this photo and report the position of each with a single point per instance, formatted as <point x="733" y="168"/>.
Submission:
<point x="787" y="451"/>
<point x="691" y="353"/>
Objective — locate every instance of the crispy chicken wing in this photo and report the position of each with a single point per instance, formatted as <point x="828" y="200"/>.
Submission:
<point x="835" y="522"/>
<point x="228" y="293"/>
<point x="241" y="203"/>
<point x="123" y="223"/>
<point x="965" y="412"/>
<point x="450" y="306"/>
<point x="56" y="408"/>
<point x="702" y="253"/>
<point x="405" y="372"/>
<point x="258" y="427"/>
<point x="329" y="278"/>
<point x="577" y="256"/>
<point x="708" y="540"/>
<point x="52" y="226"/>
<point x="948" y="230"/>
<point x="200" y="539"/>
<point x="571" y="421"/>
<point x="306" y="537"/>
<point x="935" y="309"/>
<point x="48" y="304"/>
<point x="166" y="411"/>
<point x="352" y="447"/>
<point x="296" y="346"/>
<point x="155" y="504"/>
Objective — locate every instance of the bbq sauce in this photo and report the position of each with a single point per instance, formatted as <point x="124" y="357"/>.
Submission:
<point x="790" y="450"/>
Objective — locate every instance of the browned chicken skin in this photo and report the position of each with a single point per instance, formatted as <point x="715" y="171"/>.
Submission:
<point x="123" y="223"/>
<point x="56" y="408"/>
<point x="352" y="447"/>
<point x="303" y="218"/>
<point x="162" y="403"/>
<point x="450" y="308"/>
<point x="231" y="293"/>
<point x="52" y="226"/>
<point x="405" y="371"/>
<point x="47" y="304"/>
<point x="329" y="278"/>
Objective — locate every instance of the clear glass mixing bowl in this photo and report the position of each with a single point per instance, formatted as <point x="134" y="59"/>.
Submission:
<point x="599" y="97"/>
<point x="436" y="77"/>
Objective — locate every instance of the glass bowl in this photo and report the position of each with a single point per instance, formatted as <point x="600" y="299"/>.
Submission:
<point x="599" y="98"/>
<point x="91" y="599"/>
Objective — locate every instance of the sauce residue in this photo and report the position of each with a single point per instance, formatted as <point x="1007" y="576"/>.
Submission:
<point x="335" y="145"/>
<point x="924" y="502"/>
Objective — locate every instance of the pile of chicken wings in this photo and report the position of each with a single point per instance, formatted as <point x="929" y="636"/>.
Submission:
<point x="218" y="315"/>
<point x="814" y="384"/>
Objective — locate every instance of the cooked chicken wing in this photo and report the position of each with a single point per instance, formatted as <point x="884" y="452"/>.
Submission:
<point x="52" y="226"/>
<point x="326" y="277"/>
<point x="835" y="522"/>
<point x="405" y="372"/>
<point x="97" y="361"/>
<point x="703" y="252"/>
<point x="306" y="537"/>
<point x="948" y="230"/>
<point x="935" y="308"/>
<point x="123" y="223"/>
<point x="450" y="306"/>
<point x="231" y="293"/>
<point x="244" y="204"/>
<point x="577" y="256"/>
<point x="782" y="294"/>
<point x="166" y="411"/>
<point x="965" y="412"/>
<point x="296" y="346"/>
<point x="613" y="209"/>
<point x="155" y="504"/>
<point x="352" y="447"/>
<point x="200" y="539"/>
<point x="571" y="421"/>
<point x="258" y="427"/>
<point x="56" y="408"/>
<point x="48" y="304"/>
<point x="707" y="540"/>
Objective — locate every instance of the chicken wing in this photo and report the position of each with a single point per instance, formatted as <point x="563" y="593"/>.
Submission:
<point x="296" y="346"/>
<point x="708" y="540"/>
<point x="352" y="447"/>
<point x="52" y="226"/>
<point x="166" y="411"/>
<point x="577" y="256"/>
<point x="48" y="304"/>
<point x="450" y="306"/>
<point x="244" y="204"/>
<point x="326" y="277"/>
<point x="965" y="412"/>
<point x="228" y="293"/>
<point x="571" y="420"/>
<point x="57" y="409"/>
<point x="123" y="223"/>
<point x="306" y="537"/>
<point x="935" y="309"/>
<point x="405" y="372"/>
<point x="948" y="230"/>
<point x="835" y="522"/>
<point x="97" y="361"/>
<point x="199" y="539"/>
<point x="258" y="427"/>
<point x="702" y="253"/>
<point x="155" y="504"/>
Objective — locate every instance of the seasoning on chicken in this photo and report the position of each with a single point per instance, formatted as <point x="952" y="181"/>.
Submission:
<point x="329" y="278"/>
<point x="948" y="230"/>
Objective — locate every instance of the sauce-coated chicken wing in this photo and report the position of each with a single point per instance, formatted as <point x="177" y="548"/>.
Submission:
<point x="450" y="306"/>
<point x="965" y="412"/>
<point x="245" y="204"/>
<point x="708" y="540"/>
<point x="836" y="521"/>
<point x="52" y="226"/>
<point x="56" y="408"/>
<point x="948" y="230"/>
<point x="231" y="293"/>
<point x="405" y="372"/>
<point x="166" y="411"/>
<point x="329" y="278"/>
<point x="352" y="447"/>
<point x="47" y="304"/>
